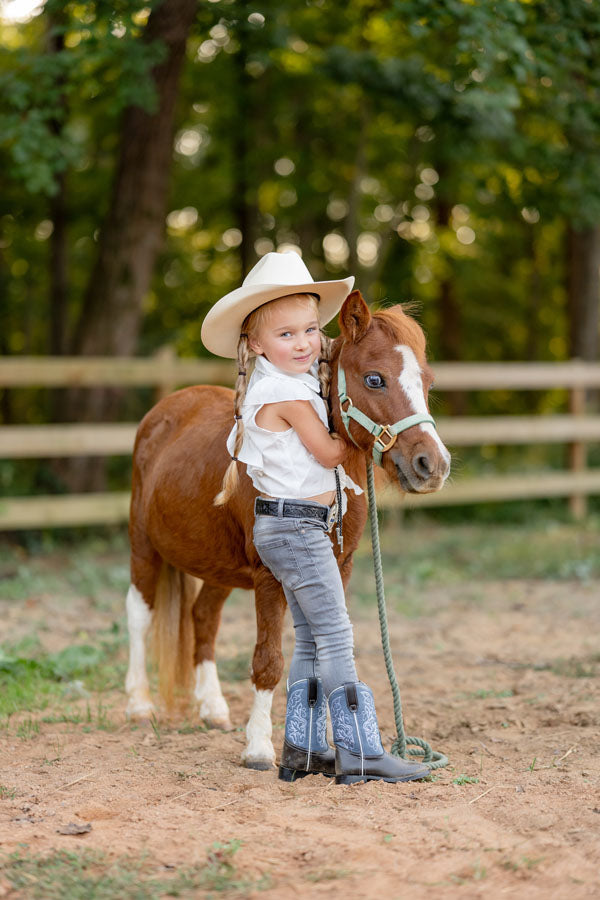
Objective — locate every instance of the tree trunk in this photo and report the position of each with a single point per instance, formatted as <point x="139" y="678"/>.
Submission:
<point x="583" y="291"/>
<point x="132" y="233"/>
<point x="5" y="330"/>
<point x="57" y="21"/>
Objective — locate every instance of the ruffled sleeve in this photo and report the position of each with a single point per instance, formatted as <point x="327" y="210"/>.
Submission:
<point x="276" y="390"/>
<point x="269" y="385"/>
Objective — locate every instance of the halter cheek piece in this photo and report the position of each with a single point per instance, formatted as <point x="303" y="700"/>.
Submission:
<point x="385" y="435"/>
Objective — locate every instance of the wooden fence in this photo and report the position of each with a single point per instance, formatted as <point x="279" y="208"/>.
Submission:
<point x="165" y="372"/>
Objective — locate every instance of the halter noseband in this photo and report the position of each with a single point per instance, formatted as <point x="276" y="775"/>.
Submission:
<point x="382" y="433"/>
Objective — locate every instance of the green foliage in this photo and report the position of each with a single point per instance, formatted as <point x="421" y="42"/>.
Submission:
<point x="497" y="105"/>
<point x="435" y="148"/>
<point x="70" y="56"/>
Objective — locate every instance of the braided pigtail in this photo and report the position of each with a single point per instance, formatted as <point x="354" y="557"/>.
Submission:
<point x="230" y="479"/>
<point x="324" y="372"/>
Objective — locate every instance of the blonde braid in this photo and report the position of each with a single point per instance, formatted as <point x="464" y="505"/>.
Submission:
<point x="231" y="477"/>
<point x="324" y="372"/>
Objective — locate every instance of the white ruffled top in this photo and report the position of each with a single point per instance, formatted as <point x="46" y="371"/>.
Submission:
<point x="277" y="461"/>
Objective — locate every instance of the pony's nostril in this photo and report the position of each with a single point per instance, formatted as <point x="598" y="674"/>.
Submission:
<point x="422" y="465"/>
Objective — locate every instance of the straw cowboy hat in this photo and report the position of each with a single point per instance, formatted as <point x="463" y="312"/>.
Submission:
<point x="274" y="275"/>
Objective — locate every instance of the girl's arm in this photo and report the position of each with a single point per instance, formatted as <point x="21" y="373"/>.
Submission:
<point x="328" y="449"/>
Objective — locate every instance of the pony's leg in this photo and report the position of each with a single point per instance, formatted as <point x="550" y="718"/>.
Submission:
<point x="212" y="706"/>
<point x="267" y="669"/>
<point x="139" y="619"/>
<point x="145" y="570"/>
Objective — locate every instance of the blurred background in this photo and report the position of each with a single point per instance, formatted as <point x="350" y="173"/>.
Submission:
<point x="445" y="152"/>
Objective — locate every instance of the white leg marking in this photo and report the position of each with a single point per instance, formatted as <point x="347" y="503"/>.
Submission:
<point x="259" y="750"/>
<point x="139" y="617"/>
<point x="212" y="705"/>
<point x="412" y="385"/>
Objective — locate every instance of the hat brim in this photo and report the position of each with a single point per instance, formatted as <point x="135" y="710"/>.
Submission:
<point x="221" y="328"/>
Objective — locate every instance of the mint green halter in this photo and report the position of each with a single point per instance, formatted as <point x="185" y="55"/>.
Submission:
<point x="382" y="433"/>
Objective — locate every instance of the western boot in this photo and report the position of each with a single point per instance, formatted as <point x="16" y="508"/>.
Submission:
<point x="359" y="754"/>
<point x="305" y="747"/>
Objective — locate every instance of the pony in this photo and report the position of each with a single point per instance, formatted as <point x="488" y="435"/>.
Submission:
<point x="187" y="554"/>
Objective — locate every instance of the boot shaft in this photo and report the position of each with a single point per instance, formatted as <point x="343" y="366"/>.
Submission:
<point x="306" y="716"/>
<point x="354" y="720"/>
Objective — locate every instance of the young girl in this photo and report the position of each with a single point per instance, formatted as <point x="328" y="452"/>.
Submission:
<point x="281" y="434"/>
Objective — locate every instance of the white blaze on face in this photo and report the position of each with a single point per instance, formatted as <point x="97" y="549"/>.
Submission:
<point x="411" y="383"/>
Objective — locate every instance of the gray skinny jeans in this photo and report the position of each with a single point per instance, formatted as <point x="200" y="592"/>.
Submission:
<point x="299" y="553"/>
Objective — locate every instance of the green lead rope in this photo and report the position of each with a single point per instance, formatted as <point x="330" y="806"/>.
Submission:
<point x="430" y="757"/>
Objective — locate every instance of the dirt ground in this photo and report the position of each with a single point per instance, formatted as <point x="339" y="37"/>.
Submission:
<point x="499" y="676"/>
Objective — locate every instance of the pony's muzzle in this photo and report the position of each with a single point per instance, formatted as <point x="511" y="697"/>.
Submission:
<point x="423" y="469"/>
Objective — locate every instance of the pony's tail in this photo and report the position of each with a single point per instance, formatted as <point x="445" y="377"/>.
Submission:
<point x="173" y="632"/>
<point x="231" y="477"/>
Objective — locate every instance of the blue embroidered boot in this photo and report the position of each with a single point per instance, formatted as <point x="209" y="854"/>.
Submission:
<point x="359" y="754"/>
<point x="305" y="747"/>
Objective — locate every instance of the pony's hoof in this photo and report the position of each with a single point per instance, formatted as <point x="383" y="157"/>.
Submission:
<point x="215" y="713"/>
<point x="260" y="756"/>
<point x="261" y="765"/>
<point x="141" y="713"/>
<point x="214" y="722"/>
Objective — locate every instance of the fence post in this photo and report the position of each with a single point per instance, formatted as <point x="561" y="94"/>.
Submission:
<point x="577" y="453"/>
<point x="165" y="359"/>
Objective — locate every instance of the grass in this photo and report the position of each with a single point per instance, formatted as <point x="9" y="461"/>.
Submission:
<point x="419" y="553"/>
<point x="585" y="667"/>
<point x="32" y="682"/>
<point x="92" y="875"/>
<point x="465" y="779"/>
<point x="95" y="567"/>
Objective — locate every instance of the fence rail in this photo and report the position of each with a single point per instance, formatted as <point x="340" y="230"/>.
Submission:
<point x="165" y="373"/>
<point x="166" y="369"/>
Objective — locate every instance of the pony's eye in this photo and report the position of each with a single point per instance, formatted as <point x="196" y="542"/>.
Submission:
<point x="374" y="380"/>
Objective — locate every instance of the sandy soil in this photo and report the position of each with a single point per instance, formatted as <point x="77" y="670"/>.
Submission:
<point x="499" y="676"/>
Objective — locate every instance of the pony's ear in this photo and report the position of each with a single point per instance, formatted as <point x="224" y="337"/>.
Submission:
<point x="355" y="317"/>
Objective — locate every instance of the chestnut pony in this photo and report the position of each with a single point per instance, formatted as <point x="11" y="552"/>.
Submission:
<point x="178" y="536"/>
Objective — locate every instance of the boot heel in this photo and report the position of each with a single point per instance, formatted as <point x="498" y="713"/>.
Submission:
<point x="286" y="774"/>
<point x="351" y="779"/>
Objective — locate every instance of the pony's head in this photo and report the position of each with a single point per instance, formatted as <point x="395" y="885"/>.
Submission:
<point x="388" y="380"/>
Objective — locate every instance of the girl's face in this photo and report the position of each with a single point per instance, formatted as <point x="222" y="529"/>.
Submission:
<point x="289" y="335"/>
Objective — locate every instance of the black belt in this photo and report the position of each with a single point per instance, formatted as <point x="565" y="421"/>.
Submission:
<point x="291" y="510"/>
